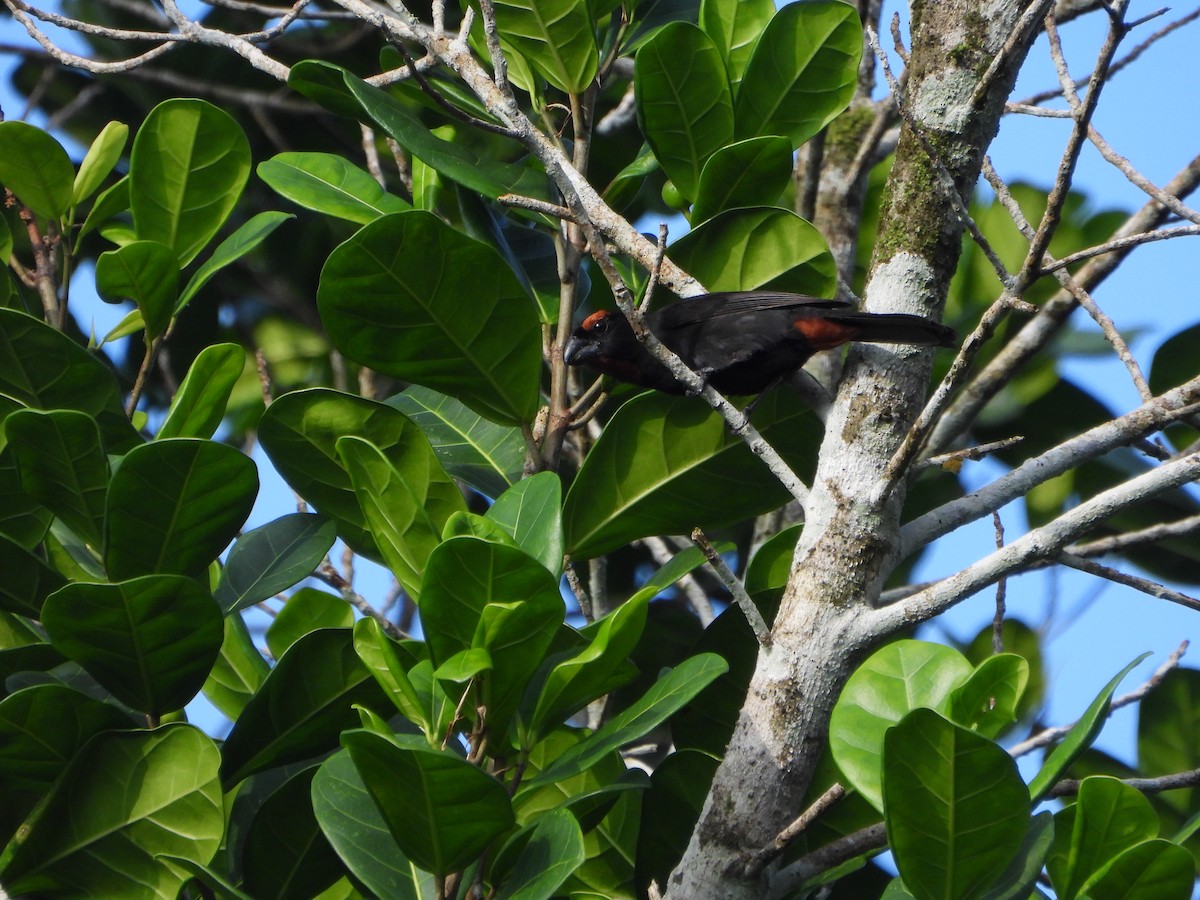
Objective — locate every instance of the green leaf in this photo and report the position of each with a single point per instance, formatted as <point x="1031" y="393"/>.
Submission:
<point x="755" y="172"/>
<point x="300" y="430"/>
<point x="487" y="456"/>
<point x="44" y="369"/>
<point x="42" y="727"/>
<point x="771" y="565"/>
<point x="734" y="26"/>
<point x="199" y="405"/>
<point x="95" y="837"/>
<point x="406" y="506"/>
<point x="101" y="158"/>
<point x="346" y="94"/>
<point x="272" y="558"/>
<point x="464" y="665"/>
<point x="382" y="657"/>
<point x="247" y="237"/>
<point x="555" y="36"/>
<point x="672" y="690"/>
<point x="27" y="580"/>
<point x="285" y="855"/>
<point x="664" y="465"/>
<point x="6" y="244"/>
<point x="189" y="164"/>
<point x="892" y="682"/>
<point x="552" y="852"/>
<point x="742" y="249"/>
<point x="358" y="832"/>
<point x="1152" y="870"/>
<point x="1026" y="868"/>
<point x="328" y="183"/>
<point x="670" y="811"/>
<point x="988" y="701"/>
<point x="683" y="101"/>
<point x="403" y="297"/>
<point x="36" y="168"/>
<point x="146" y="273"/>
<point x="441" y="810"/>
<point x="150" y="641"/>
<point x="174" y="505"/>
<point x="940" y="784"/>
<point x="238" y="672"/>
<point x="112" y="202"/>
<point x="1079" y="738"/>
<point x="1109" y="818"/>
<point x="803" y="71"/>
<point x="22" y="519"/>
<point x="481" y="594"/>
<point x="62" y="466"/>
<point x="582" y="677"/>
<point x="531" y="511"/>
<point x="305" y="703"/>
<point x="306" y="610"/>
<point x="1168" y="732"/>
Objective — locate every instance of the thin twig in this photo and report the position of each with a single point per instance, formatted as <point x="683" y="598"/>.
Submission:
<point x="1145" y="585"/>
<point x="797" y="827"/>
<point x="738" y="590"/>
<point x="1069" y="787"/>
<point x="1001" y="592"/>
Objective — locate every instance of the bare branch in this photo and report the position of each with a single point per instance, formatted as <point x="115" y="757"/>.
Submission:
<point x="1152" y="535"/>
<point x="753" y="617"/>
<point x="1145" y="585"/>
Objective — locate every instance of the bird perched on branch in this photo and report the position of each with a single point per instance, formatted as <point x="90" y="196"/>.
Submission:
<point x="740" y="342"/>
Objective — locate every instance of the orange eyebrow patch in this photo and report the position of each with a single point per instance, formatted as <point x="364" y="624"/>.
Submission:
<point x="594" y="318"/>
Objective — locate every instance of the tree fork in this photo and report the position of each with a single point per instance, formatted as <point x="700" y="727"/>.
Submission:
<point x="963" y="62"/>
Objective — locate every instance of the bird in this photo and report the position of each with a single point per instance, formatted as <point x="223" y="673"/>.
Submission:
<point x="740" y="342"/>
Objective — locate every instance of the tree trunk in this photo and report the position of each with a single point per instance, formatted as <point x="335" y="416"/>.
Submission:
<point x="964" y="59"/>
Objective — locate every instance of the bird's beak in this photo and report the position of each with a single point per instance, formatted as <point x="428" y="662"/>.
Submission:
<point x="577" y="351"/>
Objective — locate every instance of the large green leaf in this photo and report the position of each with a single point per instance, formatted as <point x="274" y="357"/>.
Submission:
<point x="531" y="511"/>
<point x="189" y="163"/>
<point x="1151" y="870"/>
<point x="285" y="856"/>
<point x="957" y="809"/>
<point x="238" y="672"/>
<point x="328" y="183"/>
<point x="27" y="580"/>
<point x="199" y="405"/>
<point x="754" y="172"/>
<point x="248" y="236"/>
<point x="664" y="465"/>
<point x="1079" y="738"/>
<point x="892" y="682"/>
<point x="272" y="558"/>
<point x="441" y="810"/>
<point x="36" y="168"/>
<point x="734" y="26"/>
<point x="683" y="101"/>
<point x="742" y="249"/>
<point x="555" y="36"/>
<point x="44" y="369"/>
<point x="300" y="431"/>
<point x="41" y="729"/>
<point x="306" y="609"/>
<point x="62" y="466"/>
<point x="1168" y="732"/>
<point x="988" y="701"/>
<point x="23" y="520"/>
<point x="386" y="661"/>
<point x="348" y="95"/>
<point x="1108" y="818"/>
<point x="174" y="505"/>
<point x="552" y="851"/>
<point x="406" y="504"/>
<point x="151" y="641"/>
<point x="145" y="272"/>
<point x="674" y="688"/>
<point x="1026" y="868"/>
<point x="670" y="812"/>
<point x="803" y="71"/>
<point x="96" y="837"/>
<point x="358" y="832"/>
<point x="487" y="456"/>
<point x="302" y="707"/>
<point x="404" y="296"/>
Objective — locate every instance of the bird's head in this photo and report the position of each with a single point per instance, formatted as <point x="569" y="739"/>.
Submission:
<point x="604" y="341"/>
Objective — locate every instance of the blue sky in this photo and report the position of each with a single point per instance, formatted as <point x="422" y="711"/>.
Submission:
<point x="1148" y="113"/>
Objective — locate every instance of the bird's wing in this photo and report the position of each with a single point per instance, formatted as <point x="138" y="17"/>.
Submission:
<point x="736" y="303"/>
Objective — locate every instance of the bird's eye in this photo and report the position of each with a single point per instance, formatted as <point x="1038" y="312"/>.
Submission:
<point x="600" y="326"/>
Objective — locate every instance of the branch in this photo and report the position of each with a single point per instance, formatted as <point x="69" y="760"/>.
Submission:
<point x="738" y="591"/>
<point x="1069" y="787"/>
<point x="1121" y="431"/>
<point x="1145" y="585"/>
<point x="1041" y="543"/>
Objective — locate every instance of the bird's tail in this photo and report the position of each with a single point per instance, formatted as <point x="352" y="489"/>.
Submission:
<point x="899" y="328"/>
